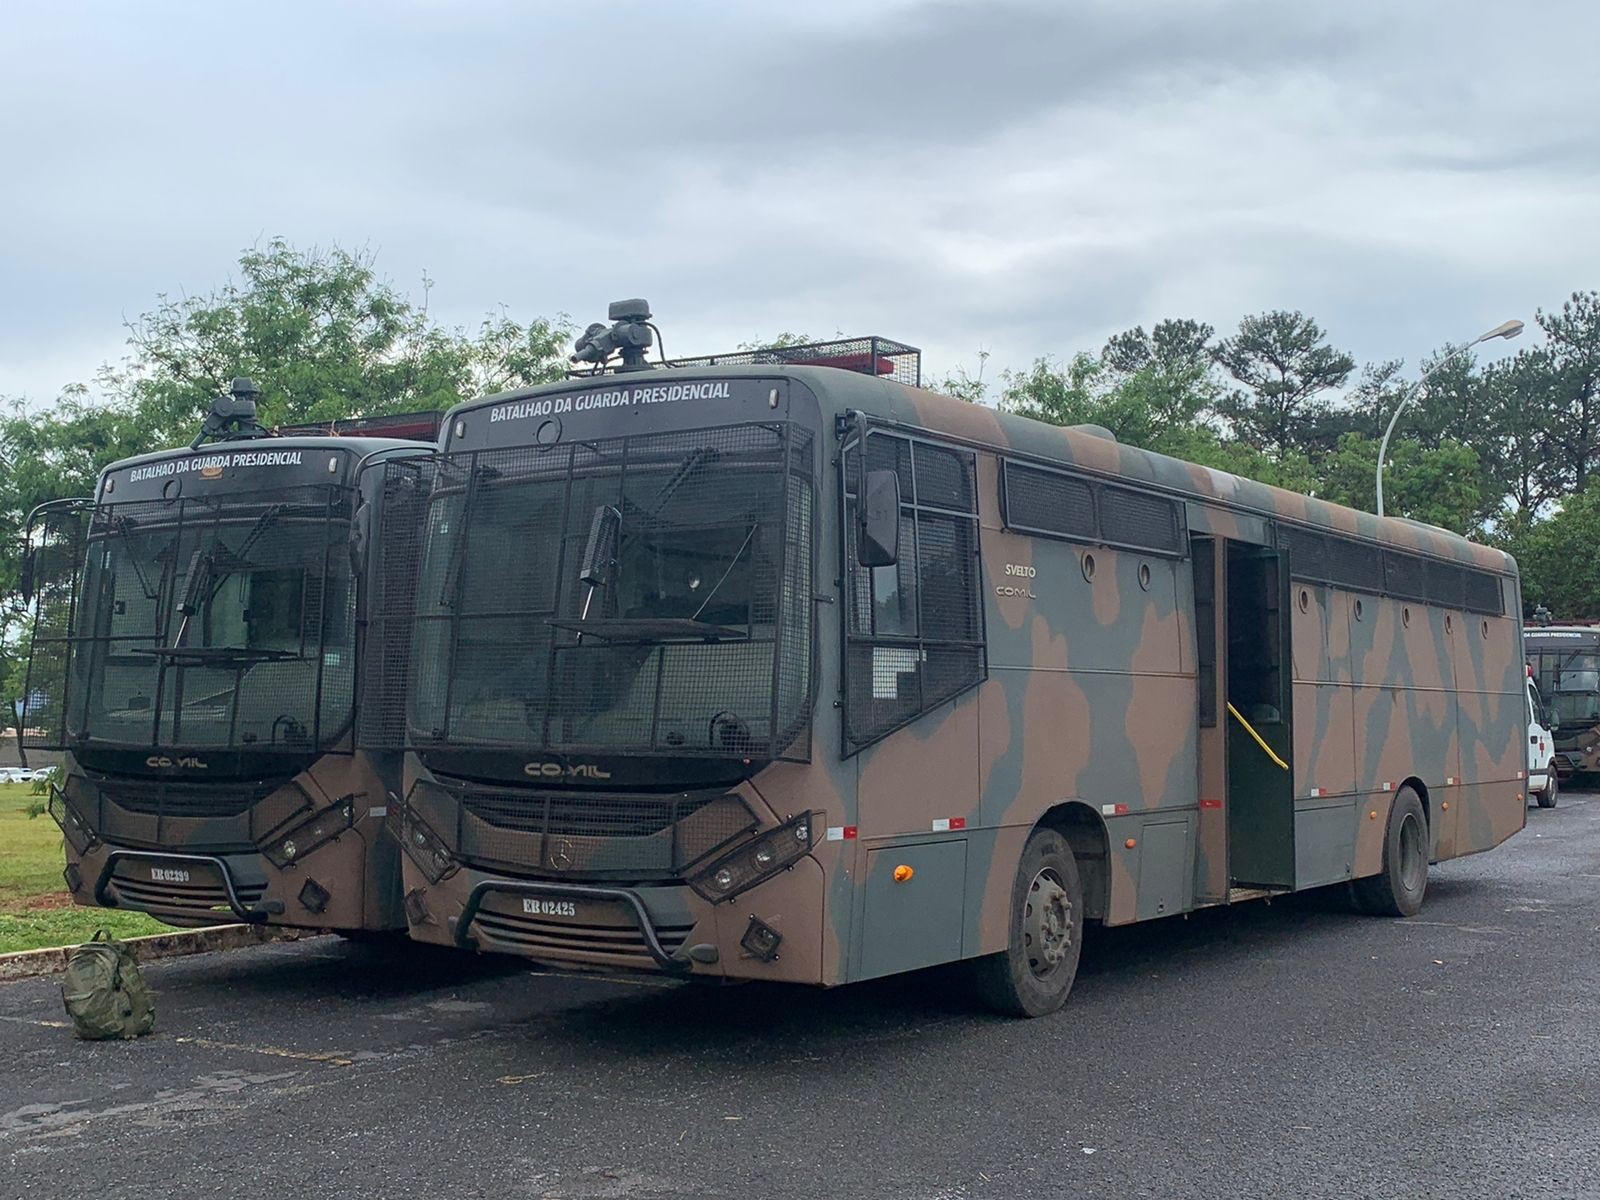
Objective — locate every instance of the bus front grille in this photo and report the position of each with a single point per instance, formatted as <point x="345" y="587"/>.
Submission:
<point x="605" y="835"/>
<point x="171" y="798"/>
<point x="560" y="940"/>
<point x="182" y="903"/>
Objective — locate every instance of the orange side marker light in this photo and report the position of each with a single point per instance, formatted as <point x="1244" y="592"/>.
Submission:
<point x="903" y="873"/>
<point x="1131" y="843"/>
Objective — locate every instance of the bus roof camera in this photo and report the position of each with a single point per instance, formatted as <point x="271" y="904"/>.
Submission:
<point x="629" y="335"/>
<point x="629" y="310"/>
<point x="232" y="415"/>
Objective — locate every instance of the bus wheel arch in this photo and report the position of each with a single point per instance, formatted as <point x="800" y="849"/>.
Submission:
<point x="1033" y="975"/>
<point x="1421" y="789"/>
<point x="1399" y="888"/>
<point x="1085" y="832"/>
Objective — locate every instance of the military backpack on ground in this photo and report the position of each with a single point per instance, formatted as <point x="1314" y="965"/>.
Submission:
<point x="104" y="993"/>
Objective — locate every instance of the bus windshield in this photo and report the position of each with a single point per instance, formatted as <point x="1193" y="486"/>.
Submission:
<point x="648" y="594"/>
<point x="217" y="623"/>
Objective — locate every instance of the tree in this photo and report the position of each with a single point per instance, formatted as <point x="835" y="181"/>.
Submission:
<point x="1560" y="568"/>
<point x="965" y="384"/>
<point x="1573" y="345"/>
<point x="1139" y="399"/>
<point x="1519" y="439"/>
<point x="1166" y="373"/>
<point x="1060" y="395"/>
<point x="323" y="337"/>
<point x="1286" y="368"/>
<point x="1437" y="484"/>
<point x="320" y="333"/>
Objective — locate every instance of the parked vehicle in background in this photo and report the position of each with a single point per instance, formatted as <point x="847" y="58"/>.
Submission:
<point x="1565" y="660"/>
<point x="198" y="638"/>
<point x="17" y="775"/>
<point x="1543" y="783"/>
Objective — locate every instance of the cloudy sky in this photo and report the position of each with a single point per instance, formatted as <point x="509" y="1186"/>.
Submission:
<point x="1025" y="178"/>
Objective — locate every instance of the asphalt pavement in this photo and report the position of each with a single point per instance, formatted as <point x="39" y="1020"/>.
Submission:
<point x="1290" y="1049"/>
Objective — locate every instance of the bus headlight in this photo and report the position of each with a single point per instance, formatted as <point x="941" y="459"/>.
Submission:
<point x="776" y="850"/>
<point x="315" y="830"/>
<point x="424" y="847"/>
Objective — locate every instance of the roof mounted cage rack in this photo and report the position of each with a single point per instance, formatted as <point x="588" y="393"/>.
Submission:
<point x="417" y="426"/>
<point x="866" y="355"/>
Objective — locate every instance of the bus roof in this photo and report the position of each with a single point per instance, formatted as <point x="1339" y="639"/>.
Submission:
<point x="359" y="446"/>
<point x="1079" y="447"/>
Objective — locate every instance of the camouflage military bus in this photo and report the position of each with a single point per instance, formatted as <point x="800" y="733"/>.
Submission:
<point x="761" y="668"/>
<point x="1566" y="665"/>
<point x="195" y="652"/>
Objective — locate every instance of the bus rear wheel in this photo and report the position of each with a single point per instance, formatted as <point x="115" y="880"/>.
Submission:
<point x="1398" y="889"/>
<point x="1032" y="976"/>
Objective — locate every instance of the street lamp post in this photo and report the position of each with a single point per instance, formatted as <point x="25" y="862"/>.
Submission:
<point x="1506" y="329"/>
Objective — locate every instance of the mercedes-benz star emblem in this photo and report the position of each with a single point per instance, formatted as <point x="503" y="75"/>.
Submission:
<point x="561" y="854"/>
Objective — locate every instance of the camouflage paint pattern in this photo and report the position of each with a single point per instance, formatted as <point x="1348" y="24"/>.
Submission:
<point x="1087" y="721"/>
<point x="358" y="867"/>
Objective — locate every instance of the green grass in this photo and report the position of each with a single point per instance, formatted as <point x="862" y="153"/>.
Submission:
<point x="35" y="910"/>
<point x="34" y="929"/>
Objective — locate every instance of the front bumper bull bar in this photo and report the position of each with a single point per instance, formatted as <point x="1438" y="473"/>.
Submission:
<point x="568" y="891"/>
<point x="105" y="894"/>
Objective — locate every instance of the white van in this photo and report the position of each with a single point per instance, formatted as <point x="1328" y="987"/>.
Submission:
<point x="1543" y="785"/>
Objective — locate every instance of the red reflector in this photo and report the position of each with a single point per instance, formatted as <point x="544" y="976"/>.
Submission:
<point x="1211" y="804"/>
<point x="1119" y="809"/>
<point x="958" y="822"/>
<point x="849" y="832"/>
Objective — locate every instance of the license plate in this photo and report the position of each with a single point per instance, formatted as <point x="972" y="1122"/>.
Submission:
<point x="534" y="907"/>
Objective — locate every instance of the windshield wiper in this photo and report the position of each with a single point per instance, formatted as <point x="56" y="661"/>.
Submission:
<point x="125" y="526"/>
<point x="691" y="463"/>
<point x="210" y="656"/>
<point x="649" y="629"/>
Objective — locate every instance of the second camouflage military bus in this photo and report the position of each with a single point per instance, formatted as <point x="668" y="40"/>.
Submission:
<point x="759" y="668"/>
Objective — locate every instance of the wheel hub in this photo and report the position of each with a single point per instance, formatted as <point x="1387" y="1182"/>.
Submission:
<point x="1046" y="923"/>
<point x="1413" y="860"/>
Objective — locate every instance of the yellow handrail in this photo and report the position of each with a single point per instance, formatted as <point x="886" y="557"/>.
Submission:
<point x="1272" y="754"/>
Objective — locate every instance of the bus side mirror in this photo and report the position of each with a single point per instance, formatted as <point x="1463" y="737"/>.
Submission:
<point x="878" y="543"/>
<point x="25" y="584"/>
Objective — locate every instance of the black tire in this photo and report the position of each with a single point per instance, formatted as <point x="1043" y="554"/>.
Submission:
<point x="1032" y="977"/>
<point x="1398" y="890"/>
<point x="1552" y="791"/>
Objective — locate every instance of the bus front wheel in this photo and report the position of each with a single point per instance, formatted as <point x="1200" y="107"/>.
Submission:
<point x="1398" y="889"/>
<point x="1032" y="976"/>
<point x="1552" y="790"/>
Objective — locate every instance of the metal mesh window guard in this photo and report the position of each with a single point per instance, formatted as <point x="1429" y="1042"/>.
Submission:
<point x="1362" y="567"/>
<point x="647" y="594"/>
<point x="212" y="622"/>
<point x="1057" y="504"/>
<point x="161" y="812"/>
<point x="916" y="633"/>
<point x="587" y="834"/>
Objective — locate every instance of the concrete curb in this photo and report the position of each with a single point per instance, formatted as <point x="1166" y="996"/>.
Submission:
<point x="27" y="964"/>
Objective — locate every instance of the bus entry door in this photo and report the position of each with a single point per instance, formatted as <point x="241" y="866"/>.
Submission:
<point x="1260" y="784"/>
